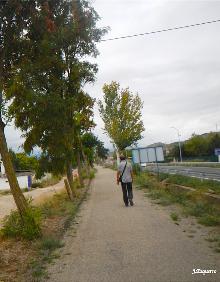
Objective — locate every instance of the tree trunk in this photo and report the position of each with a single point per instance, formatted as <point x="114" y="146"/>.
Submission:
<point x="19" y="198"/>
<point x="69" y="175"/>
<point x="79" y="169"/>
<point x="87" y="164"/>
<point x="85" y="159"/>
<point x="68" y="189"/>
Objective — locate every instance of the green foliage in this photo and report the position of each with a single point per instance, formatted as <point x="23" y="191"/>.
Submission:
<point x="204" y="185"/>
<point x="36" y="185"/>
<point x="200" y="147"/>
<point x="50" y="243"/>
<point x="121" y="113"/>
<point x="37" y="269"/>
<point x="93" y="148"/>
<point x="92" y="174"/>
<point x="209" y="220"/>
<point x="136" y="169"/>
<point x="199" y="209"/>
<point x="21" y="161"/>
<point x="174" y="216"/>
<point x="27" y="227"/>
<point x="46" y="93"/>
<point x="192" y="203"/>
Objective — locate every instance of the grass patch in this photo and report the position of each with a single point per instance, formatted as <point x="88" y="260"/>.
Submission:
<point x="37" y="269"/>
<point x="92" y="173"/>
<point x="27" y="227"/>
<point x="216" y="241"/>
<point x="55" y="216"/>
<point x="209" y="220"/>
<point x="192" y="203"/>
<point x="200" y="184"/>
<point x="174" y="216"/>
<point x="50" y="243"/>
<point x="54" y="179"/>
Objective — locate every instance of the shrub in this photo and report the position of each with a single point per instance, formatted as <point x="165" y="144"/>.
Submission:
<point x="92" y="174"/>
<point x="36" y="184"/>
<point x="174" y="216"/>
<point x="27" y="227"/>
<point x="50" y="243"/>
<point x="136" y="169"/>
<point x="209" y="220"/>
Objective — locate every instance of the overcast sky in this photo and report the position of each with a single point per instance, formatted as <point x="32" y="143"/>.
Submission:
<point x="177" y="73"/>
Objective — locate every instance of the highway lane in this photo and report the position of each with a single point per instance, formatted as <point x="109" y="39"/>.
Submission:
<point x="198" y="172"/>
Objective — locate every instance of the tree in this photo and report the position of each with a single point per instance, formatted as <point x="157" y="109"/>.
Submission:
<point x="196" y="146"/>
<point x="22" y="161"/>
<point x="121" y="114"/>
<point x="13" y="21"/>
<point x="213" y="142"/>
<point x="93" y="148"/>
<point x="101" y="151"/>
<point x="47" y="100"/>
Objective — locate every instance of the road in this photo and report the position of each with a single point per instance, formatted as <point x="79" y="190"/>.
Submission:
<point x="198" y="172"/>
<point x="114" y="243"/>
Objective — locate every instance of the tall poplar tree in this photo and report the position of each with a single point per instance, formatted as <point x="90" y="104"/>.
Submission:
<point x="121" y="114"/>
<point x="14" y="17"/>
<point x="47" y="100"/>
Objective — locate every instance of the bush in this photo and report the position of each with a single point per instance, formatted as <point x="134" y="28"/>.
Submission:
<point x="50" y="243"/>
<point x="50" y="181"/>
<point x="27" y="227"/>
<point x="92" y="174"/>
<point x="36" y="185"/>
<point x="136" y="169"/>
<point x="209" y="220"/>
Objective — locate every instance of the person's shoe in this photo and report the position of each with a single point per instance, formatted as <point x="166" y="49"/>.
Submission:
<point x="126" y="205"/>
<point x="131" y="202"/>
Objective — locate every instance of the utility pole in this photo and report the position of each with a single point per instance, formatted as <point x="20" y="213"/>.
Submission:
<point x="180" y="150"/>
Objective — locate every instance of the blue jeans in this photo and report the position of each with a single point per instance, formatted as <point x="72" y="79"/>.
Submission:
<point x="127" y="192"/>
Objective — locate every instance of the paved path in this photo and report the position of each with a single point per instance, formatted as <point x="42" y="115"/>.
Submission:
<point x="134" y="244"/>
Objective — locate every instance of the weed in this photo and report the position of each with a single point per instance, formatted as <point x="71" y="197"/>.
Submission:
<point x="209" y="220"/>
<point x="136" y="169"/>
<point x="36" y="185"/>
<point x="50" y="243"/>
<point x="192" y="202"/>
<point x="163" y="202"/>
<point x="92" y="174"/>
<point x="198" y="209"/>
<point x="212" y="239"/>
<point x="27" y="227"/>
<point x="37" y="269"/>
<point x="174" y="216"/>
<point x="203" y="185"/>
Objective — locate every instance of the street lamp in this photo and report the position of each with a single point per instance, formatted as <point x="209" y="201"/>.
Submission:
<point x="178" y="133"/>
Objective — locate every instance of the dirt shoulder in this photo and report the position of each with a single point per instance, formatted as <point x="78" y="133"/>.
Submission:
<point x="140" y="243"/>
<point x="39" y="195"/>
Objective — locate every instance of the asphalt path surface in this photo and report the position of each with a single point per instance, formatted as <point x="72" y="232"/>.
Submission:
<point x="114" y="243"/>
<point x="198" y="172"/>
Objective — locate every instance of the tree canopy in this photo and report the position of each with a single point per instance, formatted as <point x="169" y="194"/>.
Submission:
<point x="199" y="146"/>
<point x="46" y="92"/>
<point x="121" y="114"/>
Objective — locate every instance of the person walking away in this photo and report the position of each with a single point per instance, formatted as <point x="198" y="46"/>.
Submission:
<point x="125" y="176"/>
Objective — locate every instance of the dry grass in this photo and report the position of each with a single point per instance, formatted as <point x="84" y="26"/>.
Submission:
<point x="25" y="261"/>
